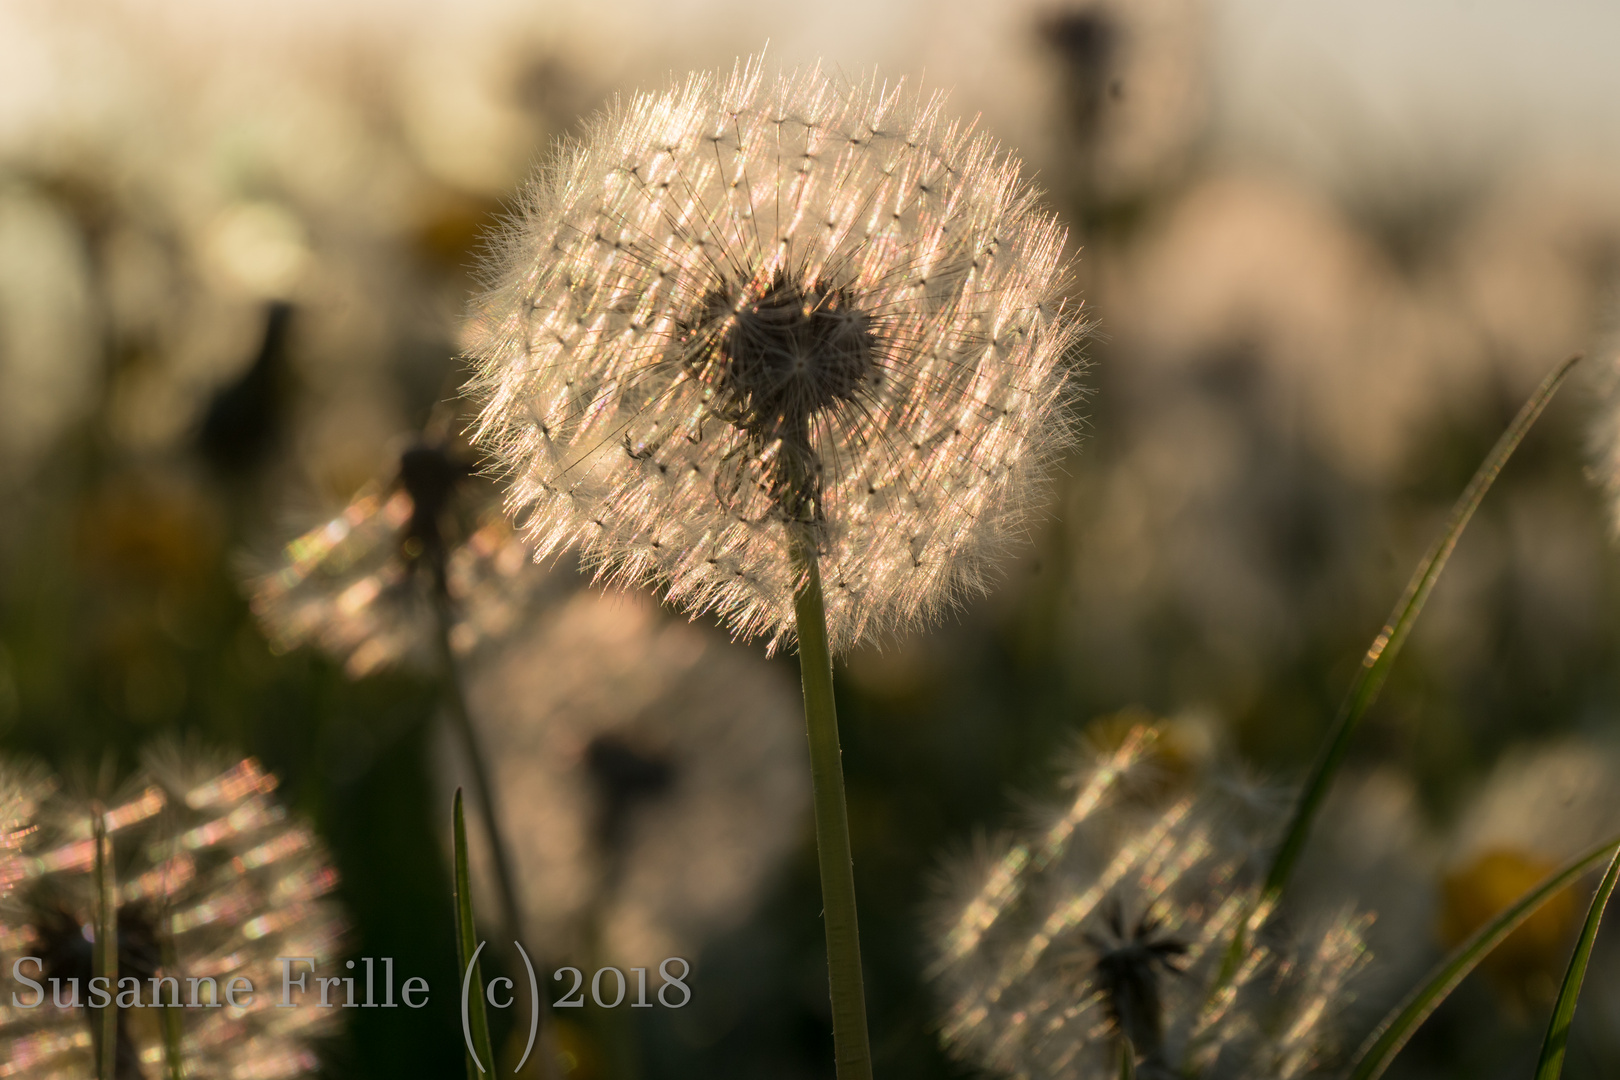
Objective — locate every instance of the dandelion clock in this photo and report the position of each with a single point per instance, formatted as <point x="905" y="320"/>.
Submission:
<point x="792" y="350"/>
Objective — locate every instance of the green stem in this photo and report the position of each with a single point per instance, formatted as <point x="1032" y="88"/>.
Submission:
<point x="851" y="1048"/>
<point x="106" y="945"/>
<point x="474" y="1018"/>
<point x="483" y="787"/>
<point x="173" y="1033"/>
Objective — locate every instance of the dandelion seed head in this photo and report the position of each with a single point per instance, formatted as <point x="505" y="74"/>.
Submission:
<point x="360" y="585"/>
<point x="1114" y="917"/>
<point x="749" y="312"/>
<point x="215" y="881"/>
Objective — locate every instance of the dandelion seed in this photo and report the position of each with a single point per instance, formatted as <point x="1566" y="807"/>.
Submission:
<point x="1118" y="925"/>
<point x="214" y="882"/>
<point x="650" y="776"/>
<point x="747" y="314"/>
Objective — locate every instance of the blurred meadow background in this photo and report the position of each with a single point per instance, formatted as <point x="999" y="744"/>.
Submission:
<point x="1328" y="251"/>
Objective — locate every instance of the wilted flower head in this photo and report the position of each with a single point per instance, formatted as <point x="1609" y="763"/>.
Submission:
<point x="1114" y="919"/>
<point x="650" y="776"/>
<point x="751" y="313"/>
<point x="214" y="882"/>
<point x="363" y="584"/>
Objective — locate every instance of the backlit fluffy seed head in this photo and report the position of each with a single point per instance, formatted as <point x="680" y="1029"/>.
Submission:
<point x="215" y="881"/>
<point x="1113" y="919"/>
<point x="750" y="313"/>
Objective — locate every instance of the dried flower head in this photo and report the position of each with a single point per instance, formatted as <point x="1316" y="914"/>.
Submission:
<point x="214" y="882"/>
<point x="1114" y="919"/>
<point x="650" y="775"/>
<point x="362" y="585"/>
<point x="751" y="313"/>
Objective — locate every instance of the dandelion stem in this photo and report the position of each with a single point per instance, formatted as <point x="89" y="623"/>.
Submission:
<point x="482" y="786"/>
<point x="484" y="792"/>
<point x="106" y="943"/>
<point x="174" y="1067"/>
<point x="475" y="1022"/>
<point x="851" y="1048"/>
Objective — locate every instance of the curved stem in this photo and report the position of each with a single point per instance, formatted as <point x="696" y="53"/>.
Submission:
<point x="1375" y="665"/>
<point x="483" y="792"/>
<point x="483" y="787"/>
<point x="1551" y="1065"/>
<point x="851" y="1047"/>
<point x="1387" y="644"/>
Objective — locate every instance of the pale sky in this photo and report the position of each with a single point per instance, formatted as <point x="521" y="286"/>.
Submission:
<point x="1482" y="74"/>
<point x="1312" y="81"/>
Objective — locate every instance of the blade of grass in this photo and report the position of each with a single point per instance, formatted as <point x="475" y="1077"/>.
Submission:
<point x="105" y="952"/>
<point x="467" y="948"/>
<point x="1375" y="667"/>
<point x="1127" y="1059"/>
<point x="1387" y="645"/>
<point x="1387" y="1039"/>
<point x="1551" y="1065"/>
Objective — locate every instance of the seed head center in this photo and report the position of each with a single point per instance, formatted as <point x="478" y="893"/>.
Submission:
<point x="789" y="350"/>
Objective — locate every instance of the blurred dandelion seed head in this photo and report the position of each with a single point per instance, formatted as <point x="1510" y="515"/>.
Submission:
<point x="750" y="312"/>
<point x="361" y="585"/>
<point x="649" y="775"/>
<point x="1113" y="917"/>
<point x="214" y="881"/>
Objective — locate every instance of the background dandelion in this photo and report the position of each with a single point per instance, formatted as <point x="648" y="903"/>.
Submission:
<point x="215" y="881"/>
<point x="1113" y="917"/>
<point x="362" y="584"/>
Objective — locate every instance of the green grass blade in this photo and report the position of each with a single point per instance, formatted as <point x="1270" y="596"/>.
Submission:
<point x="1551" y="1065"/>
<point x="1388" y="1038"/>
<point x="105" y="953"/>
<point x="1387" y="645"/>
<point x="467" y="948"/>
<point x="1127" y="1059"/>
